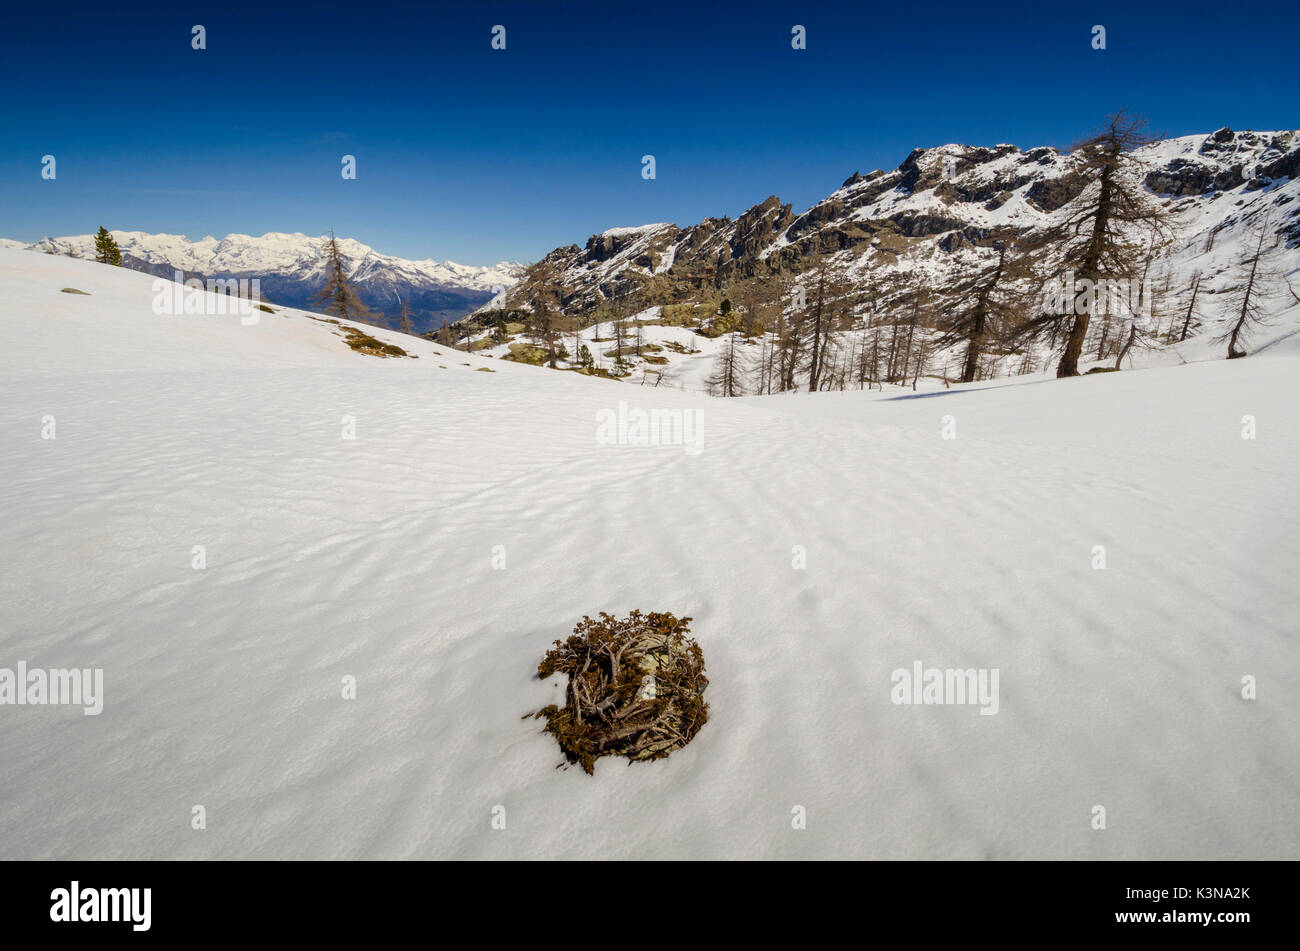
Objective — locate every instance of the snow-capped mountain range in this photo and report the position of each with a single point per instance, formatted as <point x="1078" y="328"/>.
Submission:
<point x="932" y="218"/>
<point x="290" y="268"/>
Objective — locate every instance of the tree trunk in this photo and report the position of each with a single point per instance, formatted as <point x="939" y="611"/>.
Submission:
<point x="971" y="369"/>
<point x="1128" y="345"/>
<point x="1187" y="319"/>
<point x="1069" y="365"/>
<point x="1233" y="352"/>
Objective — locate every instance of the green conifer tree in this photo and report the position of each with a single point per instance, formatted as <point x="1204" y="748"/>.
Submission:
<point x="106" y="249"/>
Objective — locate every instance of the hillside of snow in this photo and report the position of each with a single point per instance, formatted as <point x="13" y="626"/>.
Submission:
<point x="821" y="542"/>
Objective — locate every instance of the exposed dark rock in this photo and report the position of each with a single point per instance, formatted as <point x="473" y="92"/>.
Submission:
<point x="1182" y="177"/>
<point x="913" y="225"/>
<point x="760" y="226"/>
<point x="1049" y="194"/>
<point x="951" y="242"/>
<point x="911" y="171"/>
<point x="1288" y="166"/>
<point x="814" y="217"/>
<point x="1229" y="178"/>
<point x="602" y="247"/>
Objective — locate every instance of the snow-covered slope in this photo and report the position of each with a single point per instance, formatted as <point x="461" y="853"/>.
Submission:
<point x="373" y="558"/>
<point x="291" y="269"/>
<point x="65" y="316"/>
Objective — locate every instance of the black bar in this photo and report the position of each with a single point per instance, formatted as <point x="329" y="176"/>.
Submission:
<point x="928" y="900"/>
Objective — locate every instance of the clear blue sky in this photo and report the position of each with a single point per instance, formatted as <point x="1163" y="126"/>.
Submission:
<point x="479" y="155"/>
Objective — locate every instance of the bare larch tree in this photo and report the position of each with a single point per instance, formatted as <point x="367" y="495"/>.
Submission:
<point x="988" y="303"/>
<point x="1255" y="283"/>
<point x="1104" y="235"/>
<point x="339" y="295"/>
<point x="727" y="378"/>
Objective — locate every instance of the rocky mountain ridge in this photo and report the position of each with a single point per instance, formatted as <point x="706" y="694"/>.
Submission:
<point x="930" y="218"/>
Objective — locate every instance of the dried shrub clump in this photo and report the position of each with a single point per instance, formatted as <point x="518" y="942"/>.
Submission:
<point x="362" y="342"/>
<point x="636" y="688"/>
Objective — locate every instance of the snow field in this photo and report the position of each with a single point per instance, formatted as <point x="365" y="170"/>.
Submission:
<point x="372" y="558"/>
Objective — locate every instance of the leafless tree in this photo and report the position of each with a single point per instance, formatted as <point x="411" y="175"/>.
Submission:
<point x="1256" y="281"/>
<point x="989" y="303"/>
<point x="339" y="295"/>
<point x="1098" y="240"/>
<point x="789" y="346"/>
<point x="727" y="378"/>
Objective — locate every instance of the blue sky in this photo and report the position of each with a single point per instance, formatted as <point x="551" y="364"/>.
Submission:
<point x="478" y="155"/>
